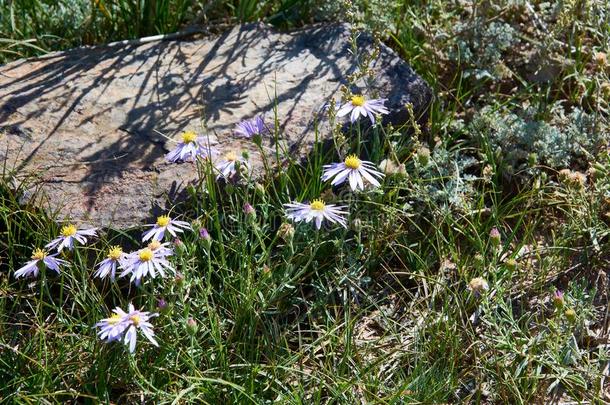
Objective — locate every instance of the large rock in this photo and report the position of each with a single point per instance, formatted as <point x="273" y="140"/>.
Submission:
<point x="86" y="127"/>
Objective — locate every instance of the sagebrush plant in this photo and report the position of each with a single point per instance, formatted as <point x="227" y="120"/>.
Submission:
<point x="475" y="272"/>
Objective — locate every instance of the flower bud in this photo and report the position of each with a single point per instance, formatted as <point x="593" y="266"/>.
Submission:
<point x="423" y="156"/>
<point x="511" y="264"/>
<point x="478" y="285"/>
<point x="162" y="305"/>
<point x="191" y="326"/>
<point x="179" y="278"/>
<point x="558" y="300"/>
<point x="570" y="315"/>
<point x="286" y="232"/>
<point x="494" y="237"/>
<point x="532" y="159"/>
<point x="205" y="235"/>
<point x="249" y="211"/>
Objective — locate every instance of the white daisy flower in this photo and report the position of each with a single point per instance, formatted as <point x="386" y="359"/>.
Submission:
<point x="358" y="106"/>
<point x="317" y="210"/>
<point x="228" y="166"/>
<point x="147" y="261"/>
<point x="139" y="320"/>
<point x="165" y="223"/>
<point x="108" y="266"/>
<point x="112" y="328"/>
<point x="189" y="148"/>
<point x="38" y="255"/>
<point x="354" y="170"/>
<point x="69" y="234"/>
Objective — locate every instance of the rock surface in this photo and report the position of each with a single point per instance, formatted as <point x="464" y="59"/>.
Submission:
<point x="89" y="127"/>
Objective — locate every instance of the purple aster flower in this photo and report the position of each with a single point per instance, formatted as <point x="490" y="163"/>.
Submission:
<point x="113" y="327"/>
<point x="165" y="223"/>
<point x="358" y="106"/>
<point x="317" y="210"/>
<point x="251" y="127"/>
<point x="108" y="266"/>
<point x="147" y="261"/>
<point x="189" y="148"/>
<point x="38" y="255"/>
<point x="354" y="170"/>
<point x="139" y="320"/>
<point x="69" y="234"/>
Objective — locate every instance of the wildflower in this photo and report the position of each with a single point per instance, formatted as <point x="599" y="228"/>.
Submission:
<point x="138" y="320"/>
<point x="205" y="235"/>
<point x="69" y="234"/>
<point x="423" y="156"/>
<point x="38" y="256"/>
<point x="570" y="315"/>
<point x="511" y="264"/>
<point x="354" y="170"/>
<point x="389" y="167"/>
<point x="358" y="105"/>
<point x="191" y="326"/>
<point x="113" y="327"/>
<point x="494" y="237"/>
<point x="162" y="305"/>
<point x="188" y="149"/>
<point x="249" y="210"/>
<point x="251" y="127"/>
<point x="558" y="300"/>
<point x="164" y="223"/>
<point x="115" y="257"/>
<point x="149" y="260"/>
<point x="286" y="231"/>
<point x="601" y="59"/>
<point x="229" y="166"/>
<point x="478" y="285"/>
<point x="317" y="210"/>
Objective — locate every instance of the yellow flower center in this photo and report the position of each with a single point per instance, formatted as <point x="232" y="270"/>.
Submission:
<point x="317" y="205"/>
<point x="135" y="319"/>
<point x="38" y="254"/>
<point x="231" y="157"/>
<point x="154" y="245"/>
<point x="163" y="220"/>
<point x="68" y="230"/>
<point x="352" y="162"/>
<point x="189" y="136"/>
<point x="145" y="255"/>
<point x="114" y="319"/>
<point x="115" y="253"/>
<point x="357" y="101"/>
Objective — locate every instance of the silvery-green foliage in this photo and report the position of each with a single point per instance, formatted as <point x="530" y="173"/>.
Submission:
<point x="568" y="138"/>
<point x="445" y="182"/>
<point x="481" y="45"/>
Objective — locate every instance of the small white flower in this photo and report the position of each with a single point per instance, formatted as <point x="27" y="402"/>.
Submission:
<point x="108" y="266"/>
<point x="317" y="211"/>
<point x="165" y="223"/>
<point x="354" y="170"/>
<point x="189" y="148"/>
<point x="68" y="235"/>
<point x="151" y="260"/>
<point x="39" y="255"/>
<point x="359" y="106"/>
<point x="228" y="166"/>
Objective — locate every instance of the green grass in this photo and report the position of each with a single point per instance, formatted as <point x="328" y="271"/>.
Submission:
<point x="380" y="312"/>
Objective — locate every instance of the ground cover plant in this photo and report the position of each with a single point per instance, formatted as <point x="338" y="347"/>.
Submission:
<point x="476" y="271"/>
